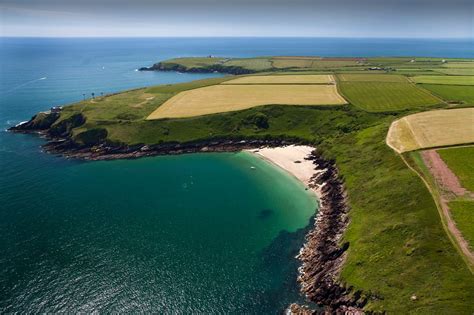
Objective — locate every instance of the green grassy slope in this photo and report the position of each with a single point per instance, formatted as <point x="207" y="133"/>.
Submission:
<point x="398" y="246"/>
<point x="460" y="161"/>
<point x="463" y="214"/>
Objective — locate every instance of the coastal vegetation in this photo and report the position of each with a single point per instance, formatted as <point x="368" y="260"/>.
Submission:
<point x="399" y="257"/>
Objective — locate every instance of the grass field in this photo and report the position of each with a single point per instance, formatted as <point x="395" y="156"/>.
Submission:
<point x="464" y="65"/>
<point x="461" y="162"/>
<point x="444" y="79"/>
<point x="386" y="96"/>
<point x="310" y="62"/>
<point x="224" y="98"/>
<point x="372" y="78"/>
<point x="432" y="129"/>
<point x="456" y="71"/>
<point x="282" y="79"/>
<point x="462" y="212"/>
<point x="256" y="64"/>
<point x="452" y="92"/>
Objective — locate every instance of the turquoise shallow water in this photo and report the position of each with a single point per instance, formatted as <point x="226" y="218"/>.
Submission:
<point x="193" y="233"/>
<point x="197" y="233"/>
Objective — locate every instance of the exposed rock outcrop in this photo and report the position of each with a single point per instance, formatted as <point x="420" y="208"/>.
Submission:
<point x="323" y="255"/>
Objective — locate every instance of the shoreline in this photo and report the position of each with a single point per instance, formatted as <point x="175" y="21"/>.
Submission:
<point x="321" y="256"/>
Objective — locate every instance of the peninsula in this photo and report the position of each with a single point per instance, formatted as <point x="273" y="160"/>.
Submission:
<point x="392" y="234"/>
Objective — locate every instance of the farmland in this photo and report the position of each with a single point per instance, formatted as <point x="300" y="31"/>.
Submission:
<point x="283" y="79"/>
<point x="460" y="161"/>
<point x="457" y="93"/>
<point x="432" y="129"/>
<point x="386" y="96"/>
<point x="224" y="98"/>
<point x="451" y="80"/>
<point x="372" y="78"/>
<point x="311" y="62"/>
<point x="455" y="71"/>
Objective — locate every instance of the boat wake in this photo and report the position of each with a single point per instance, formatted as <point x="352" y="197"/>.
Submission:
<point x="24" y="84"/>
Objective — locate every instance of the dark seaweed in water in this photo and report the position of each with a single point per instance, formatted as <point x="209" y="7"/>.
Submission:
<point x="265" y="214"/>
<point x="281" y="254"/>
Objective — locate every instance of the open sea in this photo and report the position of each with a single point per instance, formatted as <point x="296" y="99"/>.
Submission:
<point x="198" y="233"/>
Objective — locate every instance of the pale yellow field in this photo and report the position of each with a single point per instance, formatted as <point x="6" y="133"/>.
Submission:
<point x="225" y="98"/>
<point x="432" y="129"/>
<point x="283" y="79"/>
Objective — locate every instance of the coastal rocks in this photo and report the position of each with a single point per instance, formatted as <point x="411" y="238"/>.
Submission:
<point x="323" y="255"/>
<point x="39" y="122"/>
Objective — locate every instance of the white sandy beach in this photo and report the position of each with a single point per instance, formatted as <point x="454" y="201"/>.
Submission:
<point x="292" y="159"/>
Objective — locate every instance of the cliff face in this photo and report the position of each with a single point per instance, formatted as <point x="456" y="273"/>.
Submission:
<point x="40" y="122"/>
<point x="60" y="133"/>
<point x="161" y="66"/>
<point x="323" y="255"/>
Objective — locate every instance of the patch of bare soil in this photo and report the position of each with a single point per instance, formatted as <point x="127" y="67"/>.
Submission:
<point x="441" y="172"/>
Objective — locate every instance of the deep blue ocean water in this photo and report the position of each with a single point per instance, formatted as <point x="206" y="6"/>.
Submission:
<point x="194" y="233"/>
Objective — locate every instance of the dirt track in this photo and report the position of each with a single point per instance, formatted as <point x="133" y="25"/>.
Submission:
<point x="441" y="172"/>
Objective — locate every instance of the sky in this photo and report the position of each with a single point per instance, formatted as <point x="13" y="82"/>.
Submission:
<point x="285" y="18"/>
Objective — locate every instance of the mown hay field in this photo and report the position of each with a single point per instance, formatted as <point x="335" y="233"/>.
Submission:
<point x="386" y="96"/>
<point x="432" y="129"/>
<point x="461" y="161"/>
<point x="459" y="93"/>
<point x="372" y="78"/>
<point x="225" y="98"/>
<point x="283" y="79"/>
<point x="444" y="79"/>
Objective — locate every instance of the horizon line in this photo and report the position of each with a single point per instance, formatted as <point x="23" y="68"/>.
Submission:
<point x="240" y="36"/>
